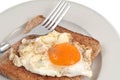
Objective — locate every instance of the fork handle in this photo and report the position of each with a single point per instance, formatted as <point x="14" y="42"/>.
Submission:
<point x="4" y="47"/>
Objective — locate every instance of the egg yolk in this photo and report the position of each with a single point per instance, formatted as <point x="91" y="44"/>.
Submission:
<point x="64" y="54"/>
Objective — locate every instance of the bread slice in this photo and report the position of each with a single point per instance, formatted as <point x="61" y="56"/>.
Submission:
<point x="8" y="69"/>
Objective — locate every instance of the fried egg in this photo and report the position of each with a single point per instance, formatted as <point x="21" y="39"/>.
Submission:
<point x="54" y="54"/>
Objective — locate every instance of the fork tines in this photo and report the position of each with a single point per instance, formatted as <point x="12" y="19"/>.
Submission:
<point x="56" y="15"/>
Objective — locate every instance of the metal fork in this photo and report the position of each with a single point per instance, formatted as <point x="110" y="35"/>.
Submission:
<point x="45" y="27"/>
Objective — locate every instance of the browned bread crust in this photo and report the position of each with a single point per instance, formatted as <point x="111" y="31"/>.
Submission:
<point x="8" y="69"/>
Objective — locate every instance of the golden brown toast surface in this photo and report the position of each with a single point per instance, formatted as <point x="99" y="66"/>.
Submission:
<point x="8" y="69"/>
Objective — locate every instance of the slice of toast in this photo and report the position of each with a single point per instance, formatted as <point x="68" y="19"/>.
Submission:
<point x="8" y="69"/>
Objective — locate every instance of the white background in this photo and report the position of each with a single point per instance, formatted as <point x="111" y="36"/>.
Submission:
<point x="110" y="9"/>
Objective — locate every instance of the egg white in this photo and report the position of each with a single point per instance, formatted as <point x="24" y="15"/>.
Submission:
<point x="34" y="56"/>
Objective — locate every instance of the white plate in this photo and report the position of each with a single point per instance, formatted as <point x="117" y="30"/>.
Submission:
<point x="80" y="19"/>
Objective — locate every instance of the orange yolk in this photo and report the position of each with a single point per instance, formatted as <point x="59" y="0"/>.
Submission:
<point x="64" y="54"/>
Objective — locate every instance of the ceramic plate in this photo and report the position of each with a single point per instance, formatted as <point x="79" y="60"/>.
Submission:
<point x="79" y="19"/>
